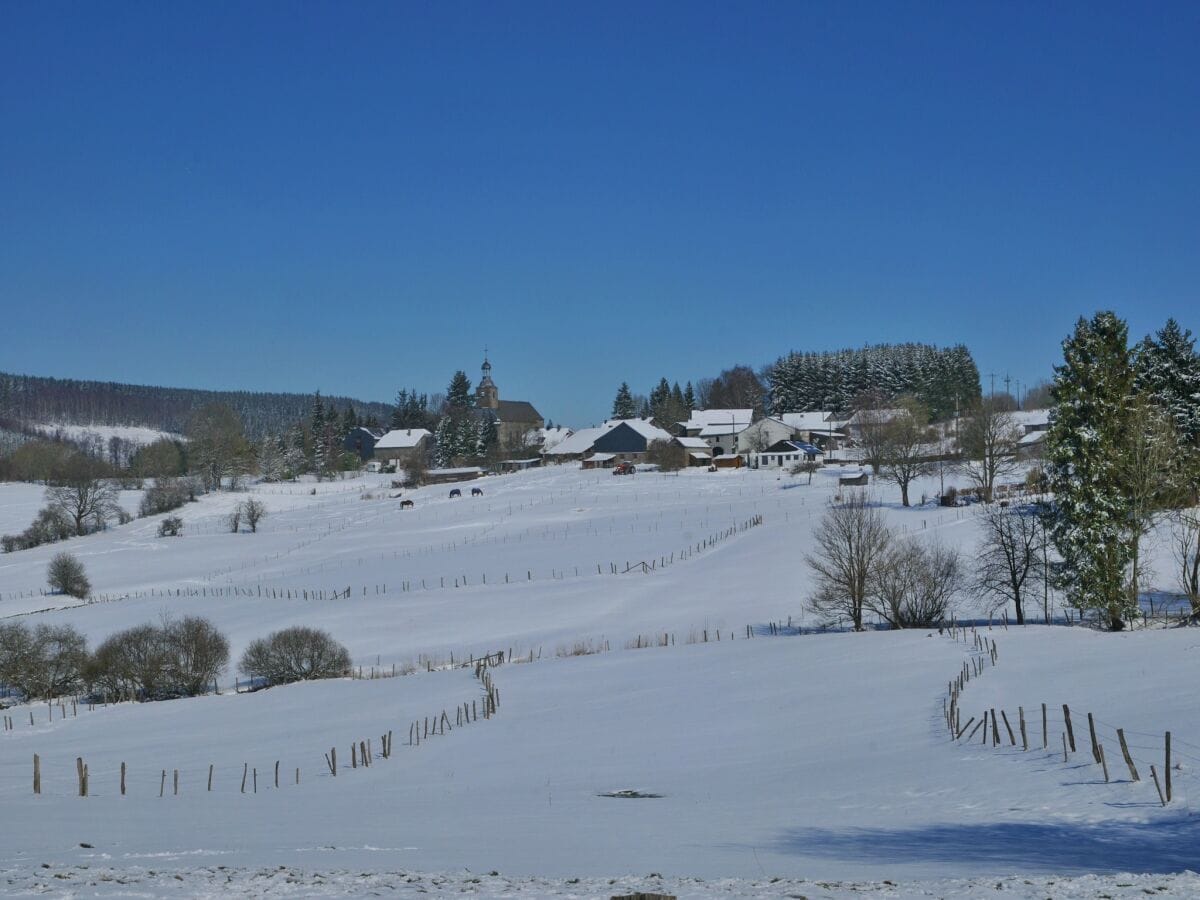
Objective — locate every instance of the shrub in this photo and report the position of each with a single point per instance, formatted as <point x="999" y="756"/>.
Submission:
<point x="66" y="576"/>
<point x="47" y="661"/>
<point x="667" y="455"/>
<point x="197" y="654"/>
<point x="163" y="496"/>
<point x="233" y="521"/>
<point x="295" y="654"/>
<point x="170" y="526"/>
<point x="177" y="659"/>
<point x="254" y="511"/>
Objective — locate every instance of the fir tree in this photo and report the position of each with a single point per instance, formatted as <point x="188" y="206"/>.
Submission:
<point x="623" y="406"/>
<point x="1168" y="373"/>
<point x="689" y="397"/>
<point x="295" y="459"/>
<point x="349" y="420"/>
<point x="458" y="394"/>
<point x="317" y="419"/>
<point x="1091" y="523"/>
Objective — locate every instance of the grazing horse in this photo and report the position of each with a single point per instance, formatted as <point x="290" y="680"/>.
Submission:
<point x="406" y="504"/>
<point x="455" y="493"/>
<point x="476" y="492"/>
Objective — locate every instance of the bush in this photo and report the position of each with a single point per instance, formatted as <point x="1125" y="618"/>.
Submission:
<point x="916" y="584"/>
<point x="295" y="654"/>
<point x="50" y="526"/>
<point x="176" y="659"/>
<point x="170" y="526"/>
<point x="66" y="576"/>
<point x="254" y="511"/>
<point x="667" y="455"/>
<point x="47" y="661"/>
<point x="163" y="496"/>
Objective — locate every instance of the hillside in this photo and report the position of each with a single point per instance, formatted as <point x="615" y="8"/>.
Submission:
<point x="818" y="758"/>
<point x="46" y="402"/>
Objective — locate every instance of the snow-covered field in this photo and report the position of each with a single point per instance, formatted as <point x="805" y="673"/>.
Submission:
<point x="819" y="759"/>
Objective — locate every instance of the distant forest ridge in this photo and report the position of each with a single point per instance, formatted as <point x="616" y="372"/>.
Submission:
<point x="31" y="399"/>
<point x="943" y="378"/>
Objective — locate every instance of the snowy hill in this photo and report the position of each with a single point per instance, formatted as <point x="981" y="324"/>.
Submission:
<point x="770" y="753"/>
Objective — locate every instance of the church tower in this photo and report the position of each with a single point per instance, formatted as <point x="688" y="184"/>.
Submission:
<point x="486" y="394"/>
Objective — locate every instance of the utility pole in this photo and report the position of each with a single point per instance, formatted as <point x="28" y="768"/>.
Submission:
<point x="1007" y="384"/>
<point x="992" y="376"/>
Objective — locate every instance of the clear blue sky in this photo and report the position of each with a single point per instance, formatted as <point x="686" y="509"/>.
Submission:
<point x="358" y="197"/>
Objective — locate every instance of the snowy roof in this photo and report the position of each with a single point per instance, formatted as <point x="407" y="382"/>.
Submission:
<point x="602" y="457"/>
<point x="402" y="438"/>
<point x="718" y="428"/>
<point x="580" y="441"/>
<point x="864" y="416"/>
<point x="700" y="454"/>
<point x="463" y="470"/>
<point x="644" y="427"/>
<point x="702" y="417"/>
<point x="692" y="443"/>
<point x="1030" y="418"/>
<point x="817" y="420"/>
<point x="1034" y="437"/>
<point x="552" y="437"/>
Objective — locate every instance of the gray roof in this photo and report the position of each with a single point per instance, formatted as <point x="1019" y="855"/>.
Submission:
<point x="517" y="411"/>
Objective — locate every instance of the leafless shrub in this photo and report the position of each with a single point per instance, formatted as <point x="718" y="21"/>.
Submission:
<point x="295" y="654"/>
<point x="914" y="585"/>
<point x="852" y="543"/>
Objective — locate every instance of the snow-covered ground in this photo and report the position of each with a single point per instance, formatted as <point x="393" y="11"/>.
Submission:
<point x="139" y="435"/>
<point x="819" y="759"/>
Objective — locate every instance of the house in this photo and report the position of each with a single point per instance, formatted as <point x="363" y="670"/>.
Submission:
<point x="549" y="438"/>
<point x="450" y="476"/>
<point x="628" y="439"/>
<point x="403" y="445"/>
<point x="519" y="465"/>
<point x="576" y="445"/>
<point x="361" y="441"/>
<point x="518" y="424"/>
<point x="819" y="427"/>
<point x="785" y="454"/>
<point x="762" y="434"/>
<point x="867" y="418"/>
<point x="699" y="453"/>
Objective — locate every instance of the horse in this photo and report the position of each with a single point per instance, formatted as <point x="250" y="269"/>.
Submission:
<point x="455" y="493"/>
<point x="406" y="504"/>
<point x="476" y="492"/>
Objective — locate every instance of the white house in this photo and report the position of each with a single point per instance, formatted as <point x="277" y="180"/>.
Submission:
<point x="402" y="445"/>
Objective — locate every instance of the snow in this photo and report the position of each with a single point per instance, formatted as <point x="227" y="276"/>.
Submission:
<point x="702" y="417"/>
<point x="134" y="434"/>
<point x="403" y="438"/>
<point x="821" y="759"/>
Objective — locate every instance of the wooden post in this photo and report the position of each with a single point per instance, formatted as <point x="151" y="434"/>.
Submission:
<point x="122" y="779"/>
<point x="1133" y="772"/>
<point x="256" y="779"/>
<point x="1157" y="786"/>
<point x="1045" y="733"/>
<point x="1064" y="737"/>
<point x="1024" y="736"/>
<point x="162" y="785"/>
<point x="210" y="771"/>
<point x="1070" y="730"/>
<point x="976" y="728"/>
<point x="1095" y="743"/>
<point x="297" y="774"/>
<point x="353" y="756"/>
<point x="995" y="730"/>
<point x="37" y="772"/>
<point x="276" y="773"/>
<point x="245" y="771"/>
<point x="1167" y="770"/>
<point x="176" y="782"/>
<point x="79" y="774"/>
<point x="1011" y="737"/>
<point x="964" y="728"/>
<point x="1103" y="762"/>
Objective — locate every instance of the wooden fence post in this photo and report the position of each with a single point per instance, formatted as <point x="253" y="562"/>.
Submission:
<point x="1157" y="786"/>
<point x="1045" y="733"/>
<point x="245" y="772"/>
<point x="1095" y="743"/>
<point x="162" y="785"/>
<point x="176" y="782"/>
<point x="210" y="771"/>
<point x="122" y="779"/>
<point x="1167" y="771"/>
<point x="1133" y="772"/>
<point x="1103" y="762"/>
<point x="1070" y="730"/>
<point x="37" y="773"/>
<point x="1024" y="736"/>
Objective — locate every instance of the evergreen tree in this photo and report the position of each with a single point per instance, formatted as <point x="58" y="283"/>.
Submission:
<point x="1168" y="373"/>
<point x="411" y="411"/>
<point x="1091" y="523"/>
<point x="458" y="394"/>
<point x="689" y="397"/>
<point x="295" y="459"/>
<point x="349" y="420"/>
<point x="623" y="406"/>
<point x="271" y="458"/>
<point x="317" y="419"/>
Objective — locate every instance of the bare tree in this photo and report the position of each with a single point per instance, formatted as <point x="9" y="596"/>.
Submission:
<point x="914" y="585"/>
<point x="197" y="653"/>
<point x="852" y="543"/>
<point x="1011" y="558"/>
<point x="667" y="455"/>
<point x="254" y="511"/>
<point x="903" y="455"/>
<point x="806" y="468"/>
<point x="66" y="576"/>
<point x="80" y="493"/>
<point x="233" y="521"/>
<point x="1185" y="546"/>
<point x="988" y="438"/>
<point x="1152" y="476"/>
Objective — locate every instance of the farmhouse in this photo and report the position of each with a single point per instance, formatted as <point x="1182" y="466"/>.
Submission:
<point x="361" y="441"/>
<point x="785" y="454"/>
<point x="628" y="439"/>
<point x="403" y="446"/>
<point x="762" y="434"/>
<point x="698" y="451"/>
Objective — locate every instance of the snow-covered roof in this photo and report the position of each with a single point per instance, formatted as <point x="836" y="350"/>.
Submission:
<point x="580" y="441"/>
<point x="816" y="420"/>
<point x="1034" y="437"/>
<point x="719" y="428"/>
<point x="550" y="438"/>
<point x="462" y="470"/>
<point x="402" y="439"/>
<point x="1031" y="418"/>
<point x="644" y="427"/>
<point x="692" y="443"/>
<point x="700" y="454"/>
<point x="880" y="416"/>
<point x="602" y="457"/>
<point x="702" y="417"/>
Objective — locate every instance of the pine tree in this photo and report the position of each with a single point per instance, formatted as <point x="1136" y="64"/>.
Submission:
<point x="458" y="394"/>
<point x="317" y="419"/>
<point x="349" y="420"/>
<point x="295" y="459"/>
<point x="1091" y="523"/>
<point x="1168" y="373"/>
<point x="689" y="397"/>
<point x="623" y="406"/>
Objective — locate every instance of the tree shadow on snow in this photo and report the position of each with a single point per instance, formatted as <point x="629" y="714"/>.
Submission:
<point x="1169" y="845"/>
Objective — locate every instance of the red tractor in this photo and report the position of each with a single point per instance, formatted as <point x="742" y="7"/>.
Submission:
<point x="625" y="468"/>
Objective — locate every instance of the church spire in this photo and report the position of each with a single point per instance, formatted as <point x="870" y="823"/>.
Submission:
<point x="486" y="394"/>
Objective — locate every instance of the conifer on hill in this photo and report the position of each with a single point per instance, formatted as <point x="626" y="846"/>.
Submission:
<point x="1091" y="524"/>
<point x="623" y="405"/>
<point x="1168" y="372"/>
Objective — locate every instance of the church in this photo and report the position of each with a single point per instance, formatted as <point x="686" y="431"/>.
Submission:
<point x="515" y="419"/>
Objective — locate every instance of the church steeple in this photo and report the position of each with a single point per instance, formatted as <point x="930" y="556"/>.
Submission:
<point x="486" y="394"/>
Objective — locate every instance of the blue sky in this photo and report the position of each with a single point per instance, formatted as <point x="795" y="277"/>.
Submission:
<point x="359" y="197"/>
